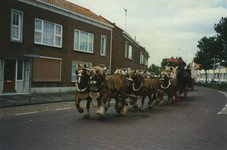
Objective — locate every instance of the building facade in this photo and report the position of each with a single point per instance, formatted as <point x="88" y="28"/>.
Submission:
<point x="47" y="39"/>
<point x="219" y="74"/>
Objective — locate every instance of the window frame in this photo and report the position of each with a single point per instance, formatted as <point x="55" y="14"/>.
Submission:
<point x="42" y="33"/>
<point x="89" y="34"/>
<point x="103" y="45"/>
<point x="130" y="52"/>
<point x="126" y="49"/>
<point x="20" y="27"/>
<point x="18" y="70"/>
<point x="73" y="74"/>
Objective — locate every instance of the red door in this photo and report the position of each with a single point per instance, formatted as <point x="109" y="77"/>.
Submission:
<point x="9" y="75"/>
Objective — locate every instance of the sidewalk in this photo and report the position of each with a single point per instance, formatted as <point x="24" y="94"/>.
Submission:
<point x="41" y="98"/>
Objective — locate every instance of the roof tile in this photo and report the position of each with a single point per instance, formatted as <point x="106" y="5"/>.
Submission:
<point x="76" y="8"/>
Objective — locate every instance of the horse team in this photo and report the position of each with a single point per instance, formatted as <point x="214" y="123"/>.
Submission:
<point x="123" y="86"/>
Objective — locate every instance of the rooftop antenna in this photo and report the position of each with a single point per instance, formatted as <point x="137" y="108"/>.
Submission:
<point x="125" y="18"/>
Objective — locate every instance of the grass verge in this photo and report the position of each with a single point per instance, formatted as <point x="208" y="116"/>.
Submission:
<point x="221" y="87"/>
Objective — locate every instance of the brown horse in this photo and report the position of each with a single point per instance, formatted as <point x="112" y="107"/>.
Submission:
<point x="104" y="87"/>
<point x="142" y="87"/>
<point x="167" y="85"/>
<point x="82" y="89"/>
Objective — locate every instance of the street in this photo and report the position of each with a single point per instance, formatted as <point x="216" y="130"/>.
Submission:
<point x="192" y="123"/>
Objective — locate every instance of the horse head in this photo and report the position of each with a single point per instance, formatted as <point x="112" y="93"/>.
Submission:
<point x="96" y="78"/>
<point x="82" y="78"/>
<point x="135" y="76"/>
<point x="121" y="71"/>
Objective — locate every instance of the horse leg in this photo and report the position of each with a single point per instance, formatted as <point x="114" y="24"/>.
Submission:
<point x="80" y="110"/>
<point x="117" y="105"/>
<point x="87" y="114"/>
<point x="186" y="91"/>
<point x="169" y="98"/>
<point x="142" y="106"/>
<point x="131" y="101"/>
<point x="135" y="103"/>
<point x="124" y="108"/>
<point x="161" y="97"/>
<point x="150" y="102"/>
<point x="101" y="107"/>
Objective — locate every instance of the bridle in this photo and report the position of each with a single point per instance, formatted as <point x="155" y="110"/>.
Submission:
<point x="80" y="81"/>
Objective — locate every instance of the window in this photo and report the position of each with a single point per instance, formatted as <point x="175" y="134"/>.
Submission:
<point x="83" y="41"/>
<point x="103" y="46"/>
<point x="74" y="68"/>
<point x="16" y="25"/>
<point x="141" y="58"/>
<point x="130" y="52"/>
<point x="20" y="68"/>
<point x="126" y="49"/>
<point x="46" y="69"/>
<point x="48" y="33"/>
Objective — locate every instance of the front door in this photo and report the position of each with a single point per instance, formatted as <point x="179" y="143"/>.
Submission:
<point x="9" y="75"/>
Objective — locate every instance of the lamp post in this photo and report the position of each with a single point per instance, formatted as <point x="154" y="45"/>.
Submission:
<point x="186" y="53"/>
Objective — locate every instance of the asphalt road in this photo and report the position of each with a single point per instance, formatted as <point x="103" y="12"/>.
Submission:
<point x="193" y="123"/>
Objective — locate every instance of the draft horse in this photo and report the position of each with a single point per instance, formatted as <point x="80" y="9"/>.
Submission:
<point x="104" y="87"/>
<point x="167" y="85"/>
<point x="142" y="87"/>
<point x="82" y="89"/>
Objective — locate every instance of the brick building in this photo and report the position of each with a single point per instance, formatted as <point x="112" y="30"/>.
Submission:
<point x="56" y="35"/>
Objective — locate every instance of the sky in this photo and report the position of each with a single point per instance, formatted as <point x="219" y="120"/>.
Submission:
<point x="162" y="26"/>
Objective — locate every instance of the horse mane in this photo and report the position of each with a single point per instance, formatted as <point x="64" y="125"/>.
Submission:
<point x="100" y="70"/>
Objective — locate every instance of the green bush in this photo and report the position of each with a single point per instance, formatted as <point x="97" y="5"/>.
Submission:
<point x="223" y="85"/>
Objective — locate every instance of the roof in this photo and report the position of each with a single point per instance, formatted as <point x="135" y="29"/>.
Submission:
<point x="196" y="65"/>
<point x="76" y="8"/>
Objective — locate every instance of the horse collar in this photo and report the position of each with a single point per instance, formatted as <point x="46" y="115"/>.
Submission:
<point x="166" y="86"/>
<point x="133" y="86"/>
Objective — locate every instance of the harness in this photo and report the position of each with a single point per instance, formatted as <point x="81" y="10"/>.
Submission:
<point x="141" y="85"/>
<point x="164" y="79"/>
<point x="82" y="93"/>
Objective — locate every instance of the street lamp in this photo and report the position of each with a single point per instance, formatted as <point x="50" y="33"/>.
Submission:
<point x="186" y="53"/>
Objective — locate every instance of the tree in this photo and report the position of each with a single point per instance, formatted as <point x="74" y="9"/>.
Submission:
<point x="205" y="57"/>
<point x="188" y="66"/>
<point x="154" y="68"/>
<point x="221" y="29"/>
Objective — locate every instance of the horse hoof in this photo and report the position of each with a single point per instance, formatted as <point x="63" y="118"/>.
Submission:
<point x="160" y="105"/>
<point x="123" y="114"/>
<point x="100" y="117"/>
<point x="80" y="110"/>
<point x="131" y="102"/>
<point x="135" y="106"/>
<point x="150" y="107"/>
<point x="141" y="109"/>
<point x="86" y="116"/>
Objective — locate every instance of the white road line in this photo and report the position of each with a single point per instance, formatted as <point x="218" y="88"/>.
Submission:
<point x="62" y="108"/>
<point x="225" y="105"/>
<point x="27" y="113"/>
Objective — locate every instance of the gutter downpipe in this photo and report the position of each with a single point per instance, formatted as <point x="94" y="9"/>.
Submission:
<point x="111" y="49"/>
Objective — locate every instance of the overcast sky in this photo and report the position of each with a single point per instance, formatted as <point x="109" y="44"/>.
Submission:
<point x="163" y="26"/>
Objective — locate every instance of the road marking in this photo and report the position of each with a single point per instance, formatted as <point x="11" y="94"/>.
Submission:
<point x="222" y="111"/>
<point x="62" y="108"/>
<point x="27" y="113"/>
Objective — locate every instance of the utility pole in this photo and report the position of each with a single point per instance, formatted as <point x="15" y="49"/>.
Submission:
<point x="125" y="18"/>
